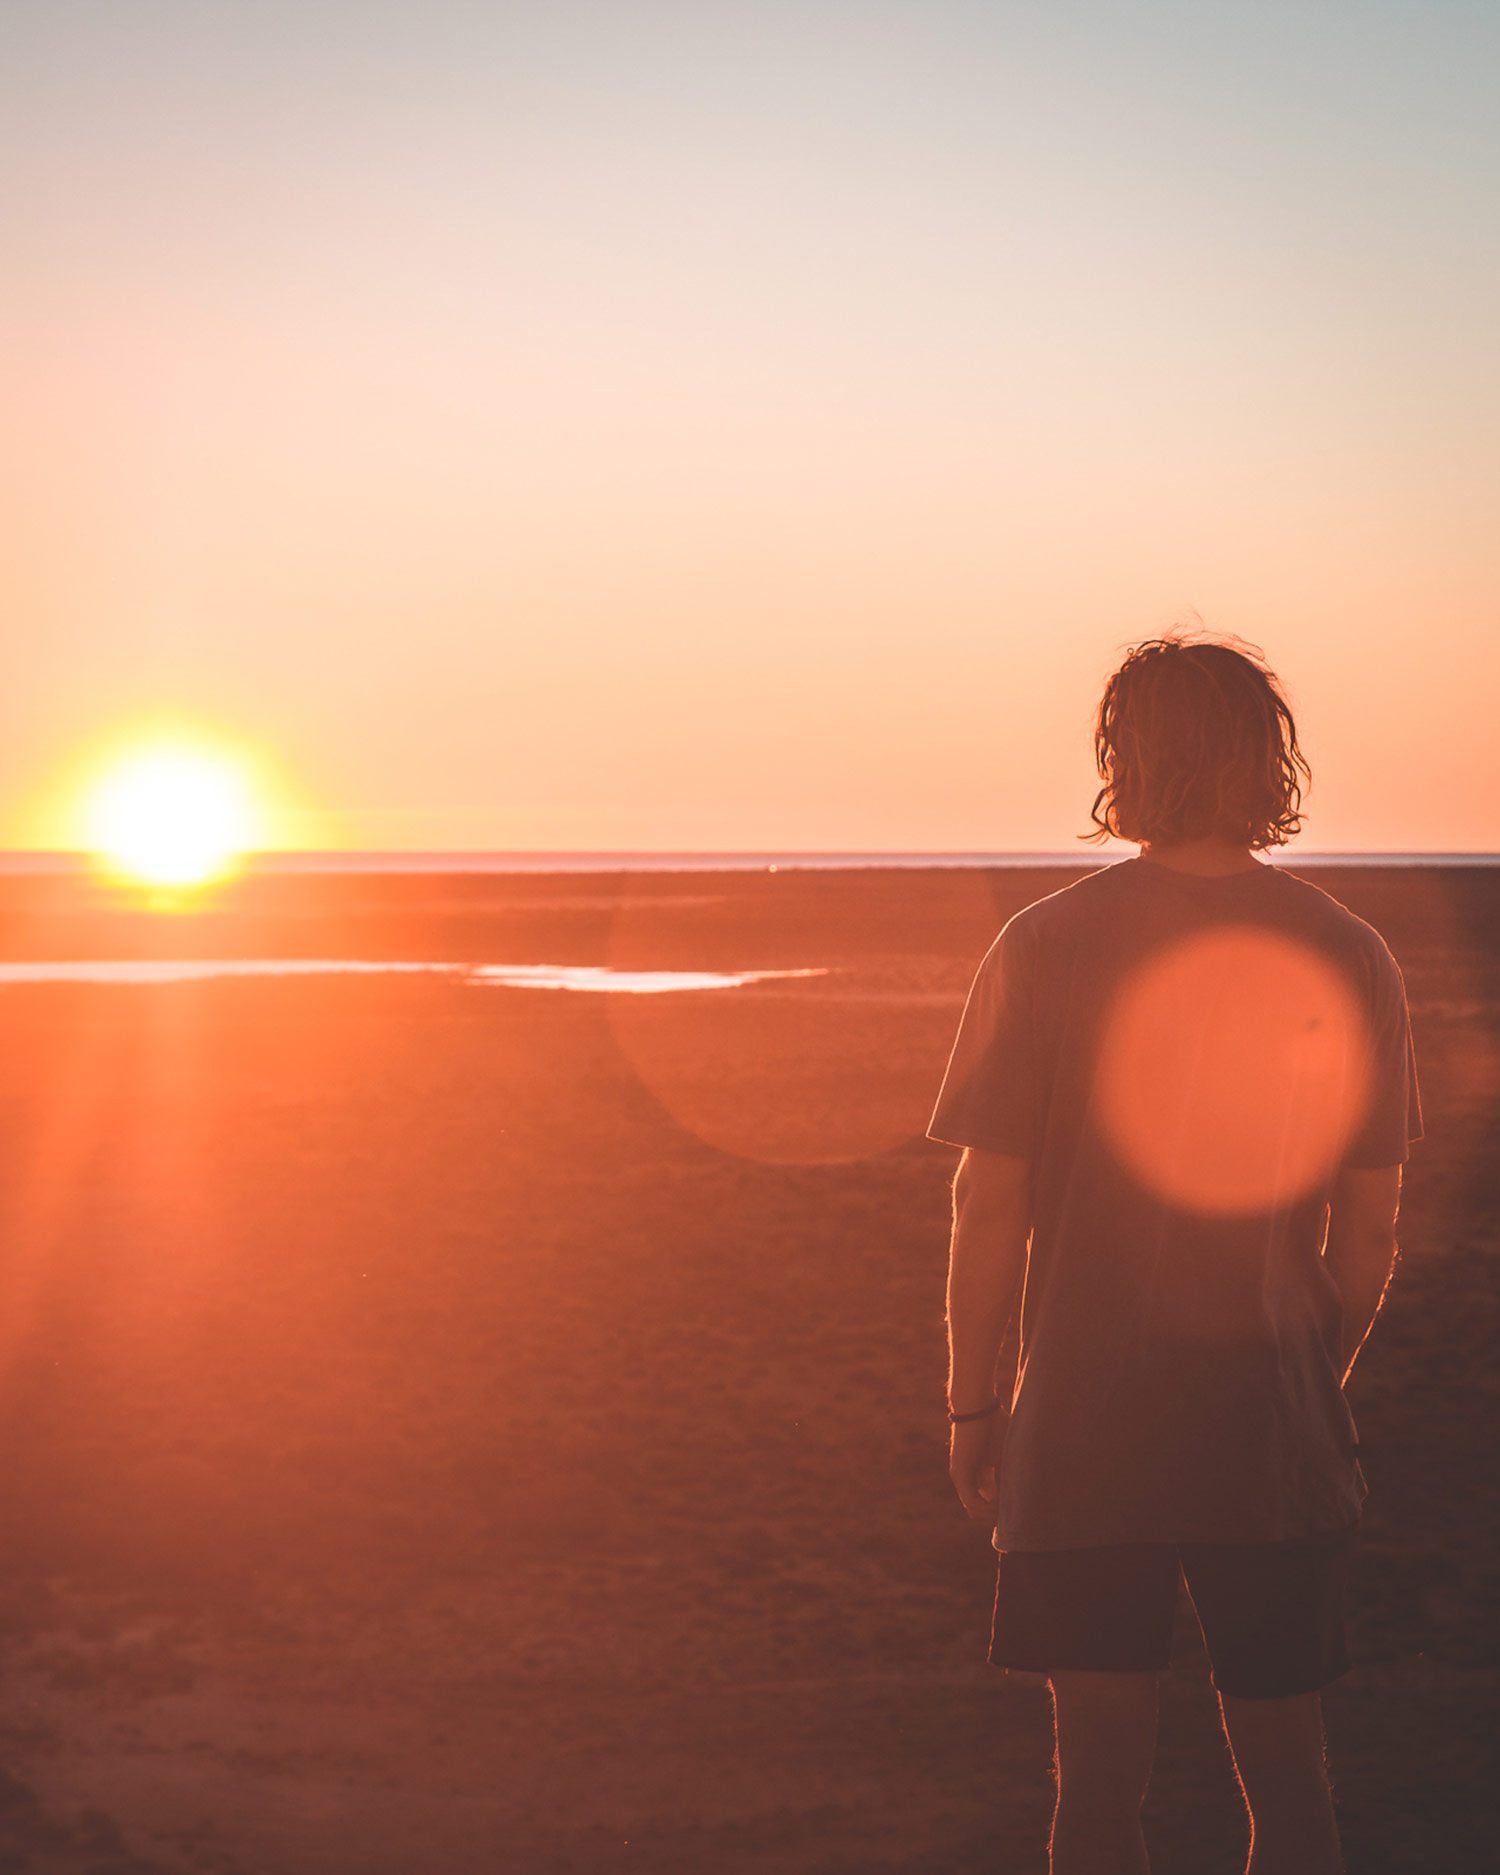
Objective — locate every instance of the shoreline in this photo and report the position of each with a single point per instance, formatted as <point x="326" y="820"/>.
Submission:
<point x="19" y="863"/>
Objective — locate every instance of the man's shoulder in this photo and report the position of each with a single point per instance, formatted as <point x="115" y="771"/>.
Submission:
<point x="1091" y="908"/>
<point x="1081" y="902"/>
<point x="1332" y="919"/>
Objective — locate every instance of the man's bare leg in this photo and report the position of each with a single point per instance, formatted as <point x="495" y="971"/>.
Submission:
<point x="1106" y="1740"/>
<point x="1279" y="1757"/>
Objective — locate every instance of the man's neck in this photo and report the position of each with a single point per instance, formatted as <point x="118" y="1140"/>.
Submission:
<point x="1209" y="858"/>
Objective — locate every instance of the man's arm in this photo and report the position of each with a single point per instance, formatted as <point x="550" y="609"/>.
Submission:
<point x="987" y="1260"/>
<point x="1361" y="1250"/>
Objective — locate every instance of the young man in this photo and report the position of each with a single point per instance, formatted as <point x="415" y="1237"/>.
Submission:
<point x="1185" y="1088"/>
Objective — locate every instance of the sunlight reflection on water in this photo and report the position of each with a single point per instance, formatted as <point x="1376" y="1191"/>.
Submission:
<point x="592" y="977"/>
<point x="637" y="982"/>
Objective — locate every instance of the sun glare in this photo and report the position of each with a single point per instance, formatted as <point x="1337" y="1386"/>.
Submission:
<point x="171" y="815"/>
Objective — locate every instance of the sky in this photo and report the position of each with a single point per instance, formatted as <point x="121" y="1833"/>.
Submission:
<point x="745" y="426"/>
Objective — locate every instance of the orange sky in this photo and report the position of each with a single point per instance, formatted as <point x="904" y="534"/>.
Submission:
<point x="747" y="426"/>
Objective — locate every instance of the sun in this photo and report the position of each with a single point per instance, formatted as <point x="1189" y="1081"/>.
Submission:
<point x="171" y="814"/>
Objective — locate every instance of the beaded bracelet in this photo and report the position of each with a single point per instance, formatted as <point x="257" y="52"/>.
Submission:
<point x="957" y="1419"/>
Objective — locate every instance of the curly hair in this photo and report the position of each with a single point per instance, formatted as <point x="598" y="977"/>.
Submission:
<point x="1194" y="738"/>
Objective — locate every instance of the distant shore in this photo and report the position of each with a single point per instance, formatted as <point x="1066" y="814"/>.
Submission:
<point x="23" y="862"/>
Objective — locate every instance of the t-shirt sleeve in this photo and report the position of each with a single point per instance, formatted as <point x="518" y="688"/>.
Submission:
<point x="1392" y="1120"/>
<point x="987" y="1098"/>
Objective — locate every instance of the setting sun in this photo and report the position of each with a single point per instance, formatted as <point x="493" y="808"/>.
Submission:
<point x="171" y="815"/>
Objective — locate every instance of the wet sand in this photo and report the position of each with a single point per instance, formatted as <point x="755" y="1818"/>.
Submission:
<point x="466" y="1427"/>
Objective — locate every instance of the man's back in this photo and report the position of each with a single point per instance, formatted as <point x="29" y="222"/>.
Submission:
<point x="1188" y="1062"/>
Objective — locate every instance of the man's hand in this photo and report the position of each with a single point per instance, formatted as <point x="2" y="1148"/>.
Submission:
<point x="1360" y="1252"/>
<point x="974" y="1449"/>
<point x="986" y="1266"/>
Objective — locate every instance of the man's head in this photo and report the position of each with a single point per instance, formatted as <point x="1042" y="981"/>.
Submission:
<point x="1194" y="740"/>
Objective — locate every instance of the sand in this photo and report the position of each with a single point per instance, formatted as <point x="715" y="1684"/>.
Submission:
<point x="473" y="1429"/>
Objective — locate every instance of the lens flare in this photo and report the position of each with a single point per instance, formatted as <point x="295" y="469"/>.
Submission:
<point x="1233" y="1068"/>
<point x="850" y="1045"/>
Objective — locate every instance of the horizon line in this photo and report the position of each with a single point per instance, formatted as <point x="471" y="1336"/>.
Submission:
<point x="271" y="858"/>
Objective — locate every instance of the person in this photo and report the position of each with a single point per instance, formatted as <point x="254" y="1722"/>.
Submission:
<point x="1184" y="1087"/>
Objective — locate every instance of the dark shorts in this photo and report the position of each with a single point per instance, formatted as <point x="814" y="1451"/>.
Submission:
<point x="1272" y="1614"/>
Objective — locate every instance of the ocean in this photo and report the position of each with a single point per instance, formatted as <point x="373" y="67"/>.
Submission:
<point x="23" y="862"/>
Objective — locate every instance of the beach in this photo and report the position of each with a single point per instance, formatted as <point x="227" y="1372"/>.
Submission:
<point x="456" y="1423"/>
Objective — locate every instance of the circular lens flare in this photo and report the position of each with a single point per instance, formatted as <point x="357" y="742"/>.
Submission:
<point x="824" y="1070"/>
<point x="1233" y="1068"/>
